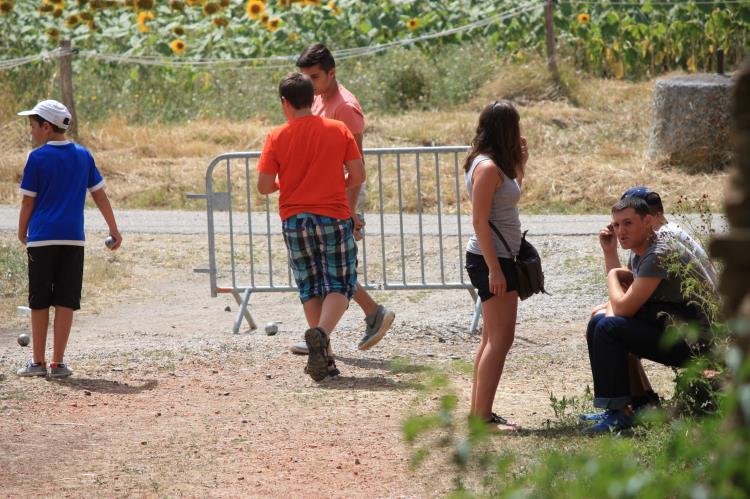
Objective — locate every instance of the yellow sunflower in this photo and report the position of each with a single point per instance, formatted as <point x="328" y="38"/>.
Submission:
<point x="178" y="30"/>
<point x="144" y="4"/>
<point x="86" y="16"/>
<point x="335" y="10"/>
<point x="46" y="8"/>
<point x="211" y="8"/>
<point x="583" y="18"/>
<point x="177" y="5"/>
<point x="255" y="9"/>
<point x="293" y="37"/>
<point x="285" y="3"/>
<point x="57" y="12"/>
<point x="6" y="7"/>
<point x="273" y="24"/>
<point x="72" y="21"/>
<point x="412" y="24"/>
<point x="53" y="33"/>
<point x="143" y="18"/>
<point x="178" y="46"/>
<point x="220" y="22"/>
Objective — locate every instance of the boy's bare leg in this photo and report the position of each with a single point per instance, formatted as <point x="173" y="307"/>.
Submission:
<point x="334" y="306"/>
<point x="39" y="325"/>
<point x="326" y="313"/>
<point x="365" y="301"/>
<point x="63" y="323"/>
<point x="312" y="308"/>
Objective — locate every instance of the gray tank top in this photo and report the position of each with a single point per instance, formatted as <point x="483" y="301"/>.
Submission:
<point x="503" y="213"/>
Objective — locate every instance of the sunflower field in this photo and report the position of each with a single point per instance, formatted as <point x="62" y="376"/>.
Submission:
<point x="115" y="39"/>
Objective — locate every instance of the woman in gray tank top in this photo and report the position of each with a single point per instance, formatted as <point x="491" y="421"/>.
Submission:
<point x="494" y="172"/>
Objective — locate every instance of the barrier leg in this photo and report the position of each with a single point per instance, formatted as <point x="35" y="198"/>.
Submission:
<point x="243" y="312"/>
<point x="477" y="315"/>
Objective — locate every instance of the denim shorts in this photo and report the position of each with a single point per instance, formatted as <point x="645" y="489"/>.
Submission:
<point x="479" y="274"/>
<point x="322" y="255"/>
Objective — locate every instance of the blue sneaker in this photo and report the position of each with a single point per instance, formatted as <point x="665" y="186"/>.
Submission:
<point x="594" y="416"/>
<point x="614" y="421"/>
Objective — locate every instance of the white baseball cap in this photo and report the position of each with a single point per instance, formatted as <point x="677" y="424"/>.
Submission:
<point x="52" y="111"/>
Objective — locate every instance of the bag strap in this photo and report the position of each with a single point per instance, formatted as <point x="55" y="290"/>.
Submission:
<point x="502" y="239"/>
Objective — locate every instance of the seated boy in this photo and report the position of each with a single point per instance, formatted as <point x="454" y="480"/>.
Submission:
<point x="671" y="236"/>
<point x="316" y="200"/>
<point x="57" y="176"/>
<point x="635" y="324"/>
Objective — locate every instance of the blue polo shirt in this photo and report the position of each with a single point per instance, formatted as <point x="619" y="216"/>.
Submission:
<point x="59" y="174"/>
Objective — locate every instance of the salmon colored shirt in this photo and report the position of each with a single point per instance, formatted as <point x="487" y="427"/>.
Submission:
<point x="308" y="155"/>
<point x="341" y="106"/>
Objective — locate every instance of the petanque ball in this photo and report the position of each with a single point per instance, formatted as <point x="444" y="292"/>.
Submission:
<point x="23" y="339"/>
<point x="109" y="242"/>
<point x="271" y="328"/>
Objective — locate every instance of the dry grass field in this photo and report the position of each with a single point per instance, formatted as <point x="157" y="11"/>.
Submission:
<point x="583" y="155"/>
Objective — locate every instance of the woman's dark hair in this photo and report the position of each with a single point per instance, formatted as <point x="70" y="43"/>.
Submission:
<point x="498" y="136"/>
<point x="42" y="121"/>
<point x="297" y="89"/>
<point x="316" y="54"/>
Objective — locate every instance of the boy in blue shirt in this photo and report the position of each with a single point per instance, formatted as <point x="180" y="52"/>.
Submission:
<point x="55" y="180"/>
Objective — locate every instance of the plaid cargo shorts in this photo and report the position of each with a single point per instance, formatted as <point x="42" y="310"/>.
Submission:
<point x="322" y="255"/>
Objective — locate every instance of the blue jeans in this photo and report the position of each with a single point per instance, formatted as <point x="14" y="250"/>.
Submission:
<point x="611" y="339"/>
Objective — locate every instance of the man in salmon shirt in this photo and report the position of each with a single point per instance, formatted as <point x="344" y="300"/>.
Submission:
<point x="334" y="101"/>
<point x="317" y="198"/>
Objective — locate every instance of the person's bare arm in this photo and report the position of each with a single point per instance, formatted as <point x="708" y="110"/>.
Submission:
<point x="520" y="172"/>
<point x="24" y="215"/>
<point x="102" y="202"/>
<point x="485" y="180"/>
<point x="355" y="175"/>
<point x="627" y="300"/>
<point x="608" y="242"/>
<point x="267" y="183"/>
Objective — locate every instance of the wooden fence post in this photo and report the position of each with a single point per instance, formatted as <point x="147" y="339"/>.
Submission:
<point x="66" y="85"/>
<point x="550" y="38"/>
<point x="733" y="247"/>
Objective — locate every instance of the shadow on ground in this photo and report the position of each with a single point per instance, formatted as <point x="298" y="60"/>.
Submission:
<point x="99" y="385"/>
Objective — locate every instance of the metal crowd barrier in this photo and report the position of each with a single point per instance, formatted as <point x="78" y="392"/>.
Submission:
<point x="414" y="233"/>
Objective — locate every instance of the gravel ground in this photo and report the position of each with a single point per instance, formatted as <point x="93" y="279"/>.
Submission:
<point x="166" y="401"/>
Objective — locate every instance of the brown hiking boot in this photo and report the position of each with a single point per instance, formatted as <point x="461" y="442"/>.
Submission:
<point x="317" y="359"/>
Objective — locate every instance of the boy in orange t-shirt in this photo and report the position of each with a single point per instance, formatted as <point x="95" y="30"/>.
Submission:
<point x="334" y="101"/>
<point x="316" y="202"/>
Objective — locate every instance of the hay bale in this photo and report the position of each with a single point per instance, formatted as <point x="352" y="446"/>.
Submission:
<point x="691" y="122"/>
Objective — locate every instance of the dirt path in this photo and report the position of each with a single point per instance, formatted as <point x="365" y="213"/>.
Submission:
<point x="166" y="402"/>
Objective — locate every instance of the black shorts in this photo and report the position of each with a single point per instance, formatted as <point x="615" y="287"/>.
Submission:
<point x="479" y="274"/>
<point x="55" y="276"/>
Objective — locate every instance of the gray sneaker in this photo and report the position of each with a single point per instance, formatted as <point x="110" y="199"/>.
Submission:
<point x="60" y="371"/>
<point x="31" y="369"/>
<point x="377" y="326"/>
<point x="299" y="348"/>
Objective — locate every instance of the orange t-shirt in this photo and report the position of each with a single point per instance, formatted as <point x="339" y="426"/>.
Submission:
<point x="308" y="154"/>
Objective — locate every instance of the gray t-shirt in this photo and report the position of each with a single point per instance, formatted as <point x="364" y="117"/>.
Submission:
<point x="653" y="264"/>
<point x="669" y="248"/>
<point x="503" y="213"/>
